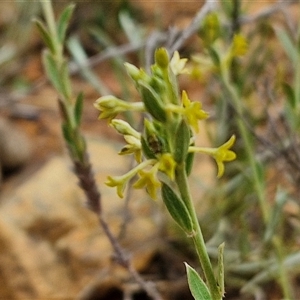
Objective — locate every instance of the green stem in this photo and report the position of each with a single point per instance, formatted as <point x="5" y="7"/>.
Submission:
<point x="183" y="186"/>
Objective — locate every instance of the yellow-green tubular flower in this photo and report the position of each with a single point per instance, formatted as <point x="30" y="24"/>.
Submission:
<point x="239" y="45"/>
<point x="120" y="182"/>
<point x="112" y="106"/>
<point x="210" y="29"/>
<point x="220" y="154"/>
<point x="167" y="165"/>
<point x="134" y="146"/>
<point x="177" y="64"/>
<point x="193" y="111"/>
<point x="149" y="180"/>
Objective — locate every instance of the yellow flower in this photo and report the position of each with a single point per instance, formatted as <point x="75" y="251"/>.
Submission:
<point x="167" y="165"/>
<point x="149" y="180"/>
<point x="177" y="64"/>
<point x="120" y="182"/>
<point x="134" y="146"/>
<point x="239" y="45"/>
<point x="220" y="154"/>
<point x="193" y="111"/>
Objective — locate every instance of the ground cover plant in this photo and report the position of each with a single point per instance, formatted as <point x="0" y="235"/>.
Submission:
<point x="247" y="239"/>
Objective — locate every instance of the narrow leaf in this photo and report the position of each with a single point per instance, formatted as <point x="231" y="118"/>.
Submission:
<point x="288" y="45"/>
<point x="129" y="26"/>
<point x="289" y="93"/>
<point x="78" y="108"/>
<point x="146" y="149"/>
<point x="67" y="133"/>
<point x="152" y="102"/>
<point x="63" y="22"/>
<point x="189" y="161"/>
<point x="182" y="142"/>
<point x="65" y="82"/>
<point x="221" y="276"/>
<point x="197" y="286"/>
<point x="276" y="214"/>
<point x="51" y="70"/>
<point x="45" y="35"/>
<point x="214" y="56"/>
<point x="177" y="209"/>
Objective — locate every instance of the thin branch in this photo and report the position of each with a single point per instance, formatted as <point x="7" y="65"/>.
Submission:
<point x="108" y="53"/>
<point x="88" y="184"/>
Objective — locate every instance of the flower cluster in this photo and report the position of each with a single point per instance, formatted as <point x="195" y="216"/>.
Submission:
<point x="166" y="142"/>
<point x="218" y="55"/>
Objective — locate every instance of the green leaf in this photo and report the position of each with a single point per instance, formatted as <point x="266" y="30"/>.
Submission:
<point x="177" y="209"/>
<point x="152" y="102"/>
<point x="63" y="22"/>
<point x="78" y="108"/>
<point x="182" y="142"/>
<point x="146" y="149"/>
<point x="65" y="82"/>
<point x="288" y="45"/>
<point x="67" y="133"/>
<point x="45" y="35"/>
<point x="64" y="111"/>
<point x="51" y="70"/>
<point x="81" y="59"/>
<point x="189" y="161"/>
<point x="129" y="26"/>
<point x="214" y="56"/>
<point x="290" y="94"/>
<point x="276" y="214"/>
<point x="197" y="286"/>
<point x="221" y="275"/>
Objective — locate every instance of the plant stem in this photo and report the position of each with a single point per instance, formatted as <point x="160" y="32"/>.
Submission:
<point x="183" y="186"/>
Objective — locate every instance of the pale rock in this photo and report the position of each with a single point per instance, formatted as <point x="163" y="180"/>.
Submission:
<point x="51" y="245"/>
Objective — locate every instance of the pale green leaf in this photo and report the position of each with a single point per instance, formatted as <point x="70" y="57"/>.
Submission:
<point x="63" y="22"/>
<point x="197" y="286"/>
<point x="177" y="208"/>
<point x="221" y="269"/>
<point x="45" y="35"/>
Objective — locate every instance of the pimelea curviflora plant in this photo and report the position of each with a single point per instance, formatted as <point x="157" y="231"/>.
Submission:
<point x="164" y="154"/>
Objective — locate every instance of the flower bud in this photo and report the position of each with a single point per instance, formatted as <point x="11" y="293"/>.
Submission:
<point x="136" y="74"/>
<point x="239" y="45"/>
<point x="107" y="102"/>
<point x="210" y="30"/>
<point x="162" y="58"/>
<point x="124" y="128"/>
<point x="133" y="71"/>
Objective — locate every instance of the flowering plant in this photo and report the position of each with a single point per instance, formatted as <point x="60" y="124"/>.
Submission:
<point x="164" y="153"/>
